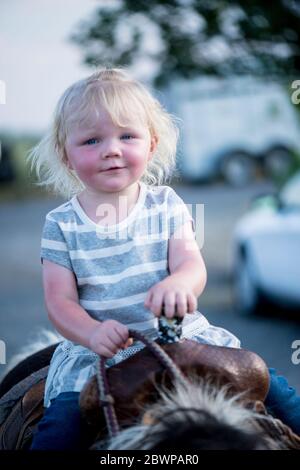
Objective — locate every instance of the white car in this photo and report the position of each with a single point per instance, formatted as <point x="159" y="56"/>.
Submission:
<point x="266" y="252"/>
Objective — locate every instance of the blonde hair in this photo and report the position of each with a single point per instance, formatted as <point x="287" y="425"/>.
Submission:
<point x="122" y="97"/>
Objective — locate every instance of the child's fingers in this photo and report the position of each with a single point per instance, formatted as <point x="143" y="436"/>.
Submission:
<point x="128" y="343"/>
<point x="157" y="303"/>
<point x="105" y="351"/>
<point x="111" y="342"/>
<point x="181" y="304"/>
<point x="121" y="336"/>
<point x="192" y="303"/>
<point x="121" y="333"/>
<point x="169" y="305"/>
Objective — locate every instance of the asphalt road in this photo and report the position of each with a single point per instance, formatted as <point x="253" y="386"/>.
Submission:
<point x="22" y="312"/>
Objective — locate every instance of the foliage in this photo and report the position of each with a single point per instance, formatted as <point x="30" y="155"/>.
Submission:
<point x="22" y="184"/>
<point x="186" y="38"/>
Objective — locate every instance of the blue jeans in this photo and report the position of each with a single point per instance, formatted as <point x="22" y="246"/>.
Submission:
<point x="62" y="426"/>
<point x="283" y="402"/>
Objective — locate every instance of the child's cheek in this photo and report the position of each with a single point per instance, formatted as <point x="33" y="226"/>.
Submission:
<point x="88" y="165"/>
<point x="136" y="162"/>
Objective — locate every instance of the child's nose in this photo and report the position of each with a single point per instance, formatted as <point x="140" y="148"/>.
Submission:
<point x="111" y="148"/>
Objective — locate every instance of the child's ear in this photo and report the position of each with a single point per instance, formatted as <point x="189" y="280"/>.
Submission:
<point x="153" y="145"/>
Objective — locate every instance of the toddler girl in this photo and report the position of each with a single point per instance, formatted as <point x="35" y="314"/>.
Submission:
<point x="122" y="248"/>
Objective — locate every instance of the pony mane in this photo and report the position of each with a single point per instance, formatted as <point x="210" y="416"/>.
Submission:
<point x="200" y="416"/>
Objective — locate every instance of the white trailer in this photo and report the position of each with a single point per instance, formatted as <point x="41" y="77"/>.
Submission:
<point x="234" y="128"/>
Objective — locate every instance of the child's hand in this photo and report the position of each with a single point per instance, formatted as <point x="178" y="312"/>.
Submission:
<point x="174" y="295"/>
<point x="108" y="337"/>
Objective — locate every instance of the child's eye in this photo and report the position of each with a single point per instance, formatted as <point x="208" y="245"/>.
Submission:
<point x="127" y="136"/>
<point x="92" y="141"/>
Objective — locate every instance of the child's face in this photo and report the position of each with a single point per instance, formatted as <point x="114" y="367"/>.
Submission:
<point x="108" y="158"/>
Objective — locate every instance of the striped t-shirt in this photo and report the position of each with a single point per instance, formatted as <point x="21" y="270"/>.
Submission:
<point x="114" y="267"/>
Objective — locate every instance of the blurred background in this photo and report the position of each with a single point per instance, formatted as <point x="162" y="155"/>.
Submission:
<point x="230" y="71"/>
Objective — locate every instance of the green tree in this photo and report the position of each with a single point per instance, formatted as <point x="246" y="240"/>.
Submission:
<point x="185" y="38"/>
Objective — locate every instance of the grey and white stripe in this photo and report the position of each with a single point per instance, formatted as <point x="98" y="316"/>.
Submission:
<point x="115" y="266"/>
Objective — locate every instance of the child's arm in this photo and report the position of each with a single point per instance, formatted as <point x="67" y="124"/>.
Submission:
<point x="71" y="320"/>
<point x="179" y="291"/>
<point x="185" y="259"/>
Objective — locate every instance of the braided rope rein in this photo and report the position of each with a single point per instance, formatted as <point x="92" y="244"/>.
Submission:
<point x="106" y="399"/>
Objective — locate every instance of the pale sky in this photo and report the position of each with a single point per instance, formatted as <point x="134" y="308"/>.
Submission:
<point x="37" y="62"/>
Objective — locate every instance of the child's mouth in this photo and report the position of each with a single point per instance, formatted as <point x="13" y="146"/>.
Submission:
<point x="114" y="168"/>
